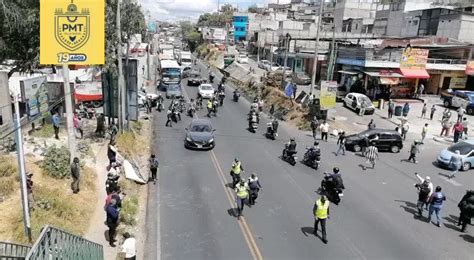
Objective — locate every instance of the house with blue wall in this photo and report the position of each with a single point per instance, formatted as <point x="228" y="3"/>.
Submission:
<point x="240" y="23"/>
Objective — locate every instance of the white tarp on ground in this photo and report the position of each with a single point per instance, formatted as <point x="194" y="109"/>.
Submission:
<point x="132" y="172"/>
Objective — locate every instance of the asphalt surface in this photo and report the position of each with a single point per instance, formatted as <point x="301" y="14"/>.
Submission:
<point x="190" y="210"/>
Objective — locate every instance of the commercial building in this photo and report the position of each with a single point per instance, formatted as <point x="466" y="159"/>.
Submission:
<point x="240" y="23"/>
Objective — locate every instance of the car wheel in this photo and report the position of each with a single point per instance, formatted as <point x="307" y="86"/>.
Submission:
<point x="357" y="148"/>
<point x="395" y="149"/>
<point x="470" y="111"/>
<point x="446" y="103"/>
<point x="466" y="166"/>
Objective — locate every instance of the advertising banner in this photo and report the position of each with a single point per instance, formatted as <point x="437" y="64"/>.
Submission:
<point x="414" y="58"/>
<point x="327" y="97"/>
<point x="458" y="82"/>
<point x="34" y="92"/>
<point x="72" y="32"/>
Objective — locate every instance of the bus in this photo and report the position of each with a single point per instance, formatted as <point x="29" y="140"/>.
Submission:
<point x="170" y="73"/>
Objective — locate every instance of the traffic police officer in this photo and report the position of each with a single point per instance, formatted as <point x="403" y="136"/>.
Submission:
<point x="321" y="213"/>
<point x="242" y="192"/>
<point x="235" y="172"/>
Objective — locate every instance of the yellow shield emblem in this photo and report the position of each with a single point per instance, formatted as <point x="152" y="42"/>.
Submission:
<point x="72" y="30"/>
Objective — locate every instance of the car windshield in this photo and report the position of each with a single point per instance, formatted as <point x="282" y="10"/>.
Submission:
<point x="471" y="98"/>
<point x="206" y="87"/>
<point x="200" y="128"/>
<point x="464" y="148"/>
<point x="173" y="87"/>
<point x="364" y="101"/>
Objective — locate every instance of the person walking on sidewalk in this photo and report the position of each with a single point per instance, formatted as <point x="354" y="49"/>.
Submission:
<point x="457" y="130"/>
<point x="436" y="204"/>
<point x="112" y="220"/>
<point x="341" y="141"/>
<point x="432" y="112"/>
<point x="154" y="164"/>
<point x="424" y="131"/>
<point x="321" y="214"/>
<point x="423" y="110"/>
<point x="406" y="109"/>
<point x="414" y="149"/>
<point x="76" y="175"/>
<point x="324" y="127"/>
<point x="314" y="126"/>
<point x="56" y="124"/>
<point x="391" y="108"/>
<point x="371" y="155"/>
<point x="461" y="112"/>
<point x="456" y="163"/>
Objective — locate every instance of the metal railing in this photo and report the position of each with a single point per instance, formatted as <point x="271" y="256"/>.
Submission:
<point x="12" y="251"/>
<point x="55" y="243"/>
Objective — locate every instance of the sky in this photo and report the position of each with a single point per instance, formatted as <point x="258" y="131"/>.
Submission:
<point x="175" y="10"/>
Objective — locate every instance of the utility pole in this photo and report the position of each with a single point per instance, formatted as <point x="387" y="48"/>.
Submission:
<point x="21" y="166"/>
<point x="68" y="94"/>
<point x="330" y="73"/>
<point x="271" y="47"/>
<point x="287" y="47"/>
<point x="315" y="62"/>
<point x="120" y="83"/>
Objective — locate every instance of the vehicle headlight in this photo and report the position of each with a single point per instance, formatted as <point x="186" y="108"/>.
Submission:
<point x="189" y="139"/>
<point x="211" y="140"/>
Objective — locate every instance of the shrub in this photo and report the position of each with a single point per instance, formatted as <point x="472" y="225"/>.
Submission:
<point x="7" y="186"/>
<point x="7" y="166"/>
<point x="45" y="131"/>
<point x="129" y="210"/>
<point x="56" y="162"/>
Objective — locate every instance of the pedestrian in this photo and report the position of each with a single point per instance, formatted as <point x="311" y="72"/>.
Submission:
<point x="148" y="105"/>
<point x="324" y="128"/>
<point x="405" y="127"/>
<point x="423" y="111"/>
<point x="112" y="153"/>
<point x="421" y="90"/>
<point x="457" y="130"/>
<point x="436" y="204"/>
<point x="314" y="126"/>
<point x="295" y="88"/>
<point x="371" y="154"/>
<point x="29" y="191"/>
<point x="432" y="112"/>
<point x="169" y="120"/>
<point x="406" y="109"/>
<point x="254" y="187"/>
<point x="414" y="149"/>
<point x="154" y="164"/>
<point x="56" y="123"/>
<point x="78" y="125"/>
<point x="424" y="131"/>
<point x="445" y="126"/>
<point x="456" y="163"/>
<point x="75" y="174"/>
<point x="242" y="192"/>
<point x="272" y="110"/>
<point x="446" y="114"/>
<point x="100" y="129"/>
<point x="391" y="108"/>
<point x="371" y="124"/>
<point x="129" y="248"/>
<point x="341" y="141"/>
<point x="113" y="131"/>
<point x="114" y="194"/>
<point x="321" y="214"/>
<point x="112" y="220"/>
<point x="363" y="105"/>
<point x="461" y="112"/>
<point x="466" y="206"/>
<point x="425" y="188"/>
<point x="465" y="125"/>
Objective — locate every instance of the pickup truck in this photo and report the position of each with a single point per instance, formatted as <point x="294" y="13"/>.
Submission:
<point x="459" y="98"/>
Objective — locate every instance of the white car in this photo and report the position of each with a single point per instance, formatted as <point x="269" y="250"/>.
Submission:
<point x="243" y="59"/>
<point x="264" y="64"/>
<point x="206" y="91"/>
<point x="356" y="101"/>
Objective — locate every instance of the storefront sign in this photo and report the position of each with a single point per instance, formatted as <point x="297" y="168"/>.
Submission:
<point x="389" y="81"/>
<point x="360" y="63"/>
<point x="457" y="83"/>
<point x="72" y="33"/>
<point x="35" y="93"/>
<point x="470" y="68"/>
<point x="327" y="96"/>
<point x="414" y="58"/>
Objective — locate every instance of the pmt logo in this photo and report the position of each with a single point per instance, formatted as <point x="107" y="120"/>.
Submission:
<point x="72" y="27"/>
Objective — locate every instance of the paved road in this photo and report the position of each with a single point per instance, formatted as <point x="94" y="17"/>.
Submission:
<point x="190" y="209"/>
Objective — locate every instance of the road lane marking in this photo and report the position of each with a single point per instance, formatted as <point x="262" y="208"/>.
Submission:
<point x="244" y="227"/>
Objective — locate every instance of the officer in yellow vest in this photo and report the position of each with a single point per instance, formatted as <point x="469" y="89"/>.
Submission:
<point x="242" y="194"/>
<point x="235" y="171"/>
<point x="321" y="213"/>
<point x="209" y="107"/>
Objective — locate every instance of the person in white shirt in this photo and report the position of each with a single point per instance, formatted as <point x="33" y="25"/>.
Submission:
<point x="461" y="112"/>
<point x="324" y="127"/>
<point x="129" y="247"/>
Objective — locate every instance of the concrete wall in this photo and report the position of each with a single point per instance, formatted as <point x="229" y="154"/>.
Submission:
<point x="394" y="23"/>
<point x="410" y="24"/>
<point x="353" y="9"/>
<point x="460" y="27"/>
<point x="5" y="101"/>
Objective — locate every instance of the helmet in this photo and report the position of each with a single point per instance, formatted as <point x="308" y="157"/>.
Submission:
<point x="236" y="159"/>
<point x="292" y="139"/>
<point x="335" y="170"/>
<point x="316" y="143"/>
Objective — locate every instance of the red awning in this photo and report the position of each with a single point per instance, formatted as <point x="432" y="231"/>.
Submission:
<point x="415" y="73"/>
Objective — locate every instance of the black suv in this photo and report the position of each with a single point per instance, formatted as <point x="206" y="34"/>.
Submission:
<point x="387" y="140"/>
<point x="194" y="79"/>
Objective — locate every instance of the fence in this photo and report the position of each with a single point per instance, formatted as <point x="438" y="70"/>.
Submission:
<point x="12" y="251"/>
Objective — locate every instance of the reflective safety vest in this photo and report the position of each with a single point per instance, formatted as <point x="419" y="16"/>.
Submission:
<point x="242" y="191"/>
<point x="322" y="209"/>
<point x="209" y="104"/>
<point x="236" y="168"/>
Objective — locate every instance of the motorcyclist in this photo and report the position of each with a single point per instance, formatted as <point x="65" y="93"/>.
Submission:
<point x="275" y="126"/>
<point x="315" y="152"/>
<point x="211" y="76"/>
<point x="236" y="95"/>
<point x="329" y="186"/>
<point x="221" y="95"/>
<point x="290" y="148"/>
<point x="182" y="102"/>
<point x="159" y="102"/>
<point x="199" y="102"/>
<point x="215" y="104"/>
<point x="192" y="107"/>
<point x="253" y="118"/>
<point x="209" y="107"/>
<point x="253" y="112"/>
<point x="336" y="175"/>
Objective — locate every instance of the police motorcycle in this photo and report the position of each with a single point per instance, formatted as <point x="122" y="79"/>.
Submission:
<point x="236" y="96"/>
<point x="253" y="122"/>
<point x="330" y="188"/>
<point x="312" y="157"/>
<point x="289" y="157"/>
<point x="191" y="111"/>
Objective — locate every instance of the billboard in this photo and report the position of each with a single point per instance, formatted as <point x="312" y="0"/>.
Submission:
<point x="327" y="97"/>
<point x="414" y="58"/>
<point x="72" y="33"/>
<point x="34" y="92"/>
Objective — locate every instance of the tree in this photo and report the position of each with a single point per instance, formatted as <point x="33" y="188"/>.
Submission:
<point x="217" y="19"/>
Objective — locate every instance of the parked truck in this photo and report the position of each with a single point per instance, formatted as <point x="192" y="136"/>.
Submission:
<point x="459" y="98"/>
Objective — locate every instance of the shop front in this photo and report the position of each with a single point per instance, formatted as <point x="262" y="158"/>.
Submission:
<point x="445" y="77"/>
<point x="384" y="84"/>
